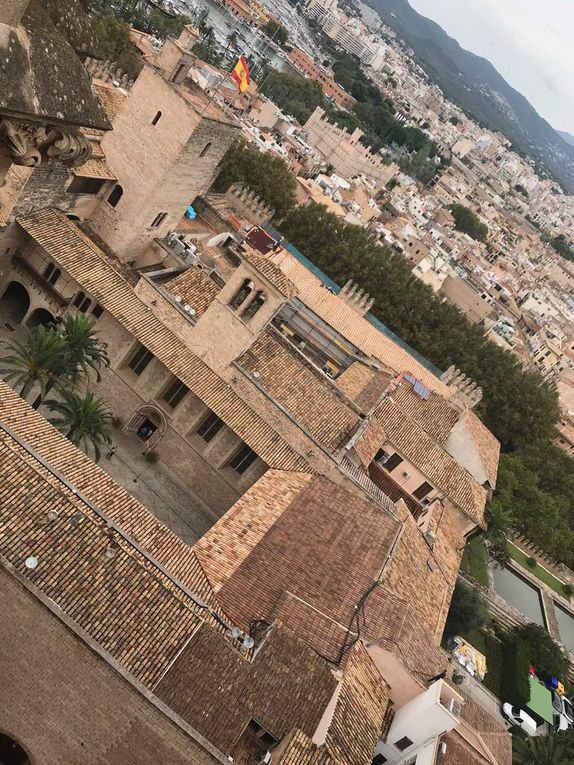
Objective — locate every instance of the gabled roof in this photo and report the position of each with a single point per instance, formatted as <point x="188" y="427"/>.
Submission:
<point x="63" y="241"/>
<point x="432" y="460"/>
<point x="217" y="691"/>
<point x="310" y="398"/>
<point x="290" y="525"/>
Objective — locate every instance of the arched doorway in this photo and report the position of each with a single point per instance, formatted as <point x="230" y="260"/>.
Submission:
<point x="149" y="425"/>
<point x="11" y="753"/>
<point x="41" y="316"/>
<point x="15" y="302"/>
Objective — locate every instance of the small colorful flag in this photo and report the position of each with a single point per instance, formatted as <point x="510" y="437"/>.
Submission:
<point x="240" y="74"/>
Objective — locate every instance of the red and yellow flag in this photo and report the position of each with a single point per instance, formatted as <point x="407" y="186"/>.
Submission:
<point x="241" y="74"/>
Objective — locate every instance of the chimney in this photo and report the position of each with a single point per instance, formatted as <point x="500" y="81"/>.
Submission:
<point x="465" y="392"/>
<point x="11" y="11"/>
<point x="359" y="301"/>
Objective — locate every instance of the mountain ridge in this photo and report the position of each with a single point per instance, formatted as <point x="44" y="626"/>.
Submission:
<point x="473" y="83"/>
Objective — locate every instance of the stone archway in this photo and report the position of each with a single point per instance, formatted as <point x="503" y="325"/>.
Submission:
<point x="149" y="425"/>
<point x="41" y="316"/>
<point x="11" y="753"/>
<point x="15" y="302"/>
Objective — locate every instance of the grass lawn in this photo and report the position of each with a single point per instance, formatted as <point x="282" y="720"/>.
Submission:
<point x="537" y="571"/>
<point x="474" y="561"/>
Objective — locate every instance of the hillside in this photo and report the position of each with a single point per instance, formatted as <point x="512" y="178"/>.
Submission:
<point x="568" y="137"/>
<point x="474" y="84"/>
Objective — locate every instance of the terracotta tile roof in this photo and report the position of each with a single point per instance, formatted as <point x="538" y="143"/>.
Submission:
<point x="195" y="288"/>
<point x="96" y="167"/>
<point x="487" y="444"/>
<point x="305" y="393"/>
<point x="87" y="264"/>
<point x="225" y="545"/>
<point x="361" y="707"/>
<point x="363" y="384"/>
<point x="112" y="98"/>
<point x="218" y="691"/>
<point x="350" y="535"/>
<point x="432" y="460"/>
<point x="94" y="484"/>
<point x="300" y="750"/>
<point x="269" y="270"/>
<point x="355" y="328"/>
<point x="435" y="415"/>
<point x="126" y="602"/>
<point x="438" y="416"/>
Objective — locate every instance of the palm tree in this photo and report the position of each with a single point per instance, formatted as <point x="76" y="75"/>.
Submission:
<point x="82" y="419"/>
<point x="540" y="750"/>
<point x="39" y="359"/>
<point x="86" y="352"/>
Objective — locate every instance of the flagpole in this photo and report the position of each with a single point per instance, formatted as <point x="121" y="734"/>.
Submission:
<point x="219" y="84"/>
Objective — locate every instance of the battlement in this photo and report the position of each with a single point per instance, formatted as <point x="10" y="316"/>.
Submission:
<point x="359" y="300"/>
<point x="466" y="391"/>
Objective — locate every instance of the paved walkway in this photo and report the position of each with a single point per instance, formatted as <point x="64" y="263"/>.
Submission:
<point x="475" y="690"/>
<point x="158" y="489"/>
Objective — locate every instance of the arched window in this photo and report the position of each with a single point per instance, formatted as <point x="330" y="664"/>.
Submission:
<point x="51" y="273"/>
<point x="258" y="301"/>
<point x="156" y="119"/>
<point x="79" y="299"/>
<point x="242" y="294"/>
<point x="159" y="219"/>
<point x="205" y="149"/>
<point x="115" y="195"/>
<point x="85" y="305"/>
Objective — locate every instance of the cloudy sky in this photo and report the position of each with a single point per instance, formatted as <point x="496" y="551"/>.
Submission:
<point x="530" y="42"/>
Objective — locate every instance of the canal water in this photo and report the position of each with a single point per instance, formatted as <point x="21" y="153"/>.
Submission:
<point x="519" y="593"/>
<point x="565" y="625"/>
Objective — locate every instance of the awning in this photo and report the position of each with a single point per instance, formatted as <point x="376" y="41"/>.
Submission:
<point x="540" y="700"/>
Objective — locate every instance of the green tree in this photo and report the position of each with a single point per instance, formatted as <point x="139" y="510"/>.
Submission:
<point x="545" y="655"/>
<point x="517" y="406"/>
<point x="110" y="41"/>
<point x="292" y="94"/>
<point x="499" y="520"/>
<point x="84" y="420"/>
<point x="276" y="32"/>
<point x="467" y="611"/>
<point x="267" y="176"/>
<point x="539" y="750"/>
<point x="40" y="359"/>
<point x="467" y="221"/>
<point x="562" y="246"/>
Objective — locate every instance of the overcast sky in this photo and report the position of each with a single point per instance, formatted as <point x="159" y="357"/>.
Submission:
<point x="530" y="42"/>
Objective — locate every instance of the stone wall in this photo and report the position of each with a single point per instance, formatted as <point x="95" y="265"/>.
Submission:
<point x="161" y="167"/>
<point x="344" y="151"/>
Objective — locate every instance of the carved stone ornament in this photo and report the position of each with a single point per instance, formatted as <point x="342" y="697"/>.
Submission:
<point x="30" y="144"/>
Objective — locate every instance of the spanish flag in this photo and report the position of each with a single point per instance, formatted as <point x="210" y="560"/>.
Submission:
<point x="241" y="74"/>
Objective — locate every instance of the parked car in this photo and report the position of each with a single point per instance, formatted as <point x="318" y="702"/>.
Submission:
<point x="520" y="718"/>
<point x="561" y="722"/>
<point x="563" y="706"/>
